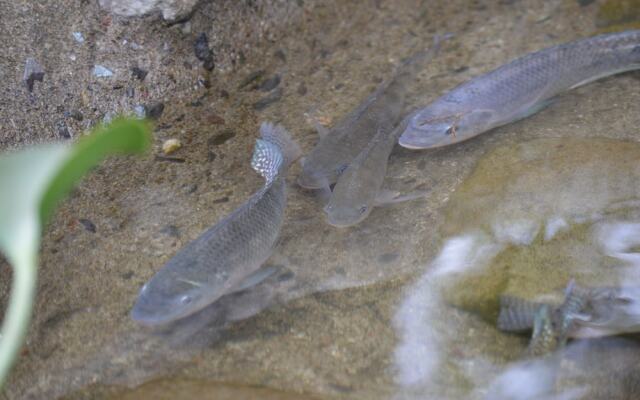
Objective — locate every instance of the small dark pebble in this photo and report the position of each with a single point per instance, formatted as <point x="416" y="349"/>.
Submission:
<point x="63" y="130"/>
<point x="32" y="72"/>
<point x="170" y="230"/>
<point x="139" y="73"/>
<point x="211" y="156"/>
<point x="270" y="84"/>
<point x="164" y="126"/>
<point x="204" y="82"/>
<point x="584" y="3"/>
<point x="339" y="86"/>
<point x="154" y="110"/>
<point x="280" y="55"/>
<point x="254" y="76"/>
<point x="179" y="118"/>
<point x="88" y="225"/>
<point x="203" y="52"/>
<point x="460" y="69"/>
<point x="196" y="103"/>
<point x="224" y="94"/>
<point x="387" y="257"/>
<point x="127" y="275"/>
<point x="302" y="89"/>
<point x="189" y="189"/>
<point x="221" y="138"/>
<point x="268" y="100"/>
<point x="131" y="92"/>
<point x="117" y="86"/>
<point x="75" y="114"/>
<point x="170" y="159"/>
<point x="221" y="200"/>
<point x="215" y="119"/>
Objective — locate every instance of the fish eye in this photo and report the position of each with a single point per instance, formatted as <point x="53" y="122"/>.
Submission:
<point x="450" y="130"/>
<point x="363" y="209"/>
<point x="186" y="299"/>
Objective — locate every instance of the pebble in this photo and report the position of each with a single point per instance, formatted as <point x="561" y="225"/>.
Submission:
<point x="32" y="72"/>
<point x="268" y="100"/>
<point x="270" y="84"/>
<point x="255" y="75"/>
<point x="78" y="37"/>
<point x="75" y="114"/>
<point x="154" y="110"/>
<point x="171" y="145"/>
<point x="63" y="130"/>
<point x="140" y="111"/>
<point x="302" y="89"/>
<point x="88" y="225"/>
<point x="102" y="72"/>
<point x="203" y="52"/>
<point x="139" y="73"/>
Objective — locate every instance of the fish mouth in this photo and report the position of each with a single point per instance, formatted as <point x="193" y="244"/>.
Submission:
<point x="416" y="139"/>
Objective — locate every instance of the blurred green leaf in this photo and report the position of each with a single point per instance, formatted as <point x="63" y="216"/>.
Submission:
<point x="32" y="182"/>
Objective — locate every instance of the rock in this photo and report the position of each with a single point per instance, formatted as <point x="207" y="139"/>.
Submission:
<point x="140" y="111"/>
<point x="102" y="72"/>
<point x="32" y="72"/>
<point x="302" y="89"/>
<point x="63" y="130"/>
<point x="203" y="52"/>
<point x="172" y="10"/>
<point x="171" y="145"/>
<point x="139" y="73"/>
<point x="270" y="84"/>
<point x="78" y="37"/>
<point x="88" y="225"/>
<point x="75" y="114"/>
<point x="268" y="100"/>
<point x="154" y="110"/>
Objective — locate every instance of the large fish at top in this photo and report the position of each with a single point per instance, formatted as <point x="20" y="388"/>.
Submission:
<point x="226" y="257"/>
<point x="381" y="111"/>
<point x="520" y="88"/>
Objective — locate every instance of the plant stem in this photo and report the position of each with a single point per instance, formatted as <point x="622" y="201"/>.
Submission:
<point x="18" y="315"/>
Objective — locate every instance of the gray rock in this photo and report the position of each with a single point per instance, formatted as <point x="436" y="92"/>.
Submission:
<point x="172" y="10"/>
<point x="32" y="72"/>
<point x="102" y="72"/>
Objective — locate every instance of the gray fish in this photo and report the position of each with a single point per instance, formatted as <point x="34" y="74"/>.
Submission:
<point x="520" y="88"/>
<point x="605" y="311"/>
<point x="551" y="327"/>
<point x="337" y="148"/>
<point x="226" y="257"/>
<point x="359" y="188"/>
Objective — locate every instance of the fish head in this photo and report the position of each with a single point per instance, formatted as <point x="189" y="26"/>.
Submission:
<point x="163" y="301"/>
<point x="350" y="203"/>
<point x="429" y="129"/>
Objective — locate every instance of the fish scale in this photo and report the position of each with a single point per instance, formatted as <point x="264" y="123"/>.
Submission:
<point x="520" y="88"/>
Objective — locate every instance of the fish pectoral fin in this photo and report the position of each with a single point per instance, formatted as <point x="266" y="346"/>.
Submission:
<point x="321" y="129"/>
<point x="252" y="280"/>
<point x="388" y="197"/>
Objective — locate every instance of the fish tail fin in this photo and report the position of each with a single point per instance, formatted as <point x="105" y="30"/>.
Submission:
<point x="516" y="314"/>
<point x="273" y="151"/>
<point x="279" y="136"/>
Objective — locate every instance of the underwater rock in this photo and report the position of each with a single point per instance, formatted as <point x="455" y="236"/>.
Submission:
<point x="102" y="72"/>
<point x="171" y="146"/>
<point x="32" y="72"/>
<point x="203" y="52"/>
<point x="172" y="10"/>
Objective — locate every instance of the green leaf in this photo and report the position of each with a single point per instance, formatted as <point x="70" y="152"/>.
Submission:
<point x="32" y="182"/>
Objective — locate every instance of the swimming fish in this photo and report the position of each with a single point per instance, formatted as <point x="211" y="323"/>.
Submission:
<point x="226" y="257"/>
<point x="337" y="148"/>
<point x="605" y="311"/>
<point x="551" y="327"/>
<point x="358" y="189"/>
<point x="520" y="88"/>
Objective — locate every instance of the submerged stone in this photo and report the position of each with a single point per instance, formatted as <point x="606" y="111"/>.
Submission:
<point x="32" y="72"/>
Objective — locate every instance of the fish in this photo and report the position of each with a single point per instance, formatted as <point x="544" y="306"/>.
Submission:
<point x="605" y="311"/>
<point x="227" y="257"/>
<point x="520" y="89"/>
<point x="551" y="326"/>
<point x="359" y="187"/>
<point x="381" y="111"/>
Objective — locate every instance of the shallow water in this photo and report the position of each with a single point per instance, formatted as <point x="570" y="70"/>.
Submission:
<point x="400" y="306"/>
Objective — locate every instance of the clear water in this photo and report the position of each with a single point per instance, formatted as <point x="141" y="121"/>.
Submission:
<point x="402" y="306"/>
